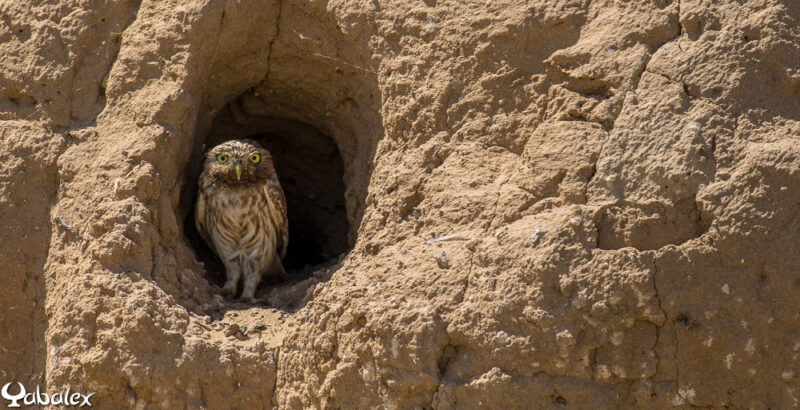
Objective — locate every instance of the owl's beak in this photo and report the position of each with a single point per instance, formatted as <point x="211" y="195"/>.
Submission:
<point x="238" y="169"/>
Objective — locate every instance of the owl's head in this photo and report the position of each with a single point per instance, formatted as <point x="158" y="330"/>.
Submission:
<point x="238" y="162"/>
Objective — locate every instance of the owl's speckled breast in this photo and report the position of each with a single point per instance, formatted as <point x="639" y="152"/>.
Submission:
<point x="239" y="229"/>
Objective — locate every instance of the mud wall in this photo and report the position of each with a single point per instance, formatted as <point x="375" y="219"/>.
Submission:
<point x="618" y="182"/>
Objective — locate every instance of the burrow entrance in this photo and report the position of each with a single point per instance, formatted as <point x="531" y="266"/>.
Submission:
<point x="317" y="181"/>
<point x="313" y="102"/>
<point x="311" y="171"/>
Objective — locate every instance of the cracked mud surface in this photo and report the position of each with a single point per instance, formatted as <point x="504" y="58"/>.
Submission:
<point x="550" y="203"/>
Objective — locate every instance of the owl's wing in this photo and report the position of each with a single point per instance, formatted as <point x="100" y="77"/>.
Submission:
<point x="277" y="211"/>
<point x="200" y="220"/>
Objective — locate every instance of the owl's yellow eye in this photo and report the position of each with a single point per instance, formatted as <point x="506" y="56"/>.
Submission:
<point x="255" y="158"/>
<point x="222" y="158"/>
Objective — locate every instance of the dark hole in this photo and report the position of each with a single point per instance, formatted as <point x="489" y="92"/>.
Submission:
<point x="311" y="172"/>
<point x="683" y="319"/>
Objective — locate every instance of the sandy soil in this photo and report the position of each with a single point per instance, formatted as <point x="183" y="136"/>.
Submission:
<point x="617" y="183"/>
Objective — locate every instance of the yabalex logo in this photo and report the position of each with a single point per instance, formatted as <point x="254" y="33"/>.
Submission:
<point x="42" y="399"/>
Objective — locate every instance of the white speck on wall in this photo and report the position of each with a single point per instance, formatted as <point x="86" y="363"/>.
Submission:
<point x="709" y="340"/>
<point x="729" y="360"/>
<point x="502" y="337"/>
<point x="538" y="233"/>
<point x="750" y="347"/>
<point x="368" y="372"/>
<point x="616" y="338"/>
<point x="395" y="347"/>
<point x="787" y="374"/>
<point x="687" y="393"/>
<point x="603" y="372"/>
<point x="744" y="324"/>
<point x="641" y="297"/>
<point x="565" y="338"/>
<point x="726" y="289"/>
<point x="431" y="23"/>
<point x="752" y="372"/>
<point x="678" y="400"/>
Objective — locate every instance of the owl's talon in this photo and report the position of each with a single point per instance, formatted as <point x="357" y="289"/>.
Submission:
<point x="228" y="291"/>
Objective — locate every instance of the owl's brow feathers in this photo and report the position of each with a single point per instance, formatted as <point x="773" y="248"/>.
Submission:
<point x="238" y="148"/>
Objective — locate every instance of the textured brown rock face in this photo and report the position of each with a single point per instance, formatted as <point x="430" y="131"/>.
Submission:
<point x="619" y="180"/>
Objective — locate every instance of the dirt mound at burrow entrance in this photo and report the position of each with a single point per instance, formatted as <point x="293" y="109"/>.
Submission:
<point x="527" y="204"/>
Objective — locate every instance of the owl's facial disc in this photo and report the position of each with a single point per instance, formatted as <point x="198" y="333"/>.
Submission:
<point x="239" y="163"/>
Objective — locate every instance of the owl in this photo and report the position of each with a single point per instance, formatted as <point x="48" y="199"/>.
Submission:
<point x="241" y="214"/>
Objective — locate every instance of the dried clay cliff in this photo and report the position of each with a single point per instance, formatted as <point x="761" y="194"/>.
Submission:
<point x="500" y="204"/>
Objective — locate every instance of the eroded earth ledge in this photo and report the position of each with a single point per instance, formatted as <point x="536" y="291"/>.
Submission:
<point x="618" y="184"/>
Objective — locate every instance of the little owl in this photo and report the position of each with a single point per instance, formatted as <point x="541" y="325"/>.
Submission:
<point x="241" y="214"/>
